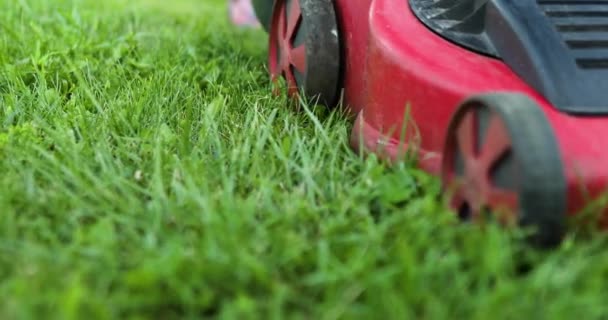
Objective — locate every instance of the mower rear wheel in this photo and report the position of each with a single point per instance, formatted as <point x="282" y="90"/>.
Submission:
<point x="501" y="156"/>
<point x="304" y="48"/>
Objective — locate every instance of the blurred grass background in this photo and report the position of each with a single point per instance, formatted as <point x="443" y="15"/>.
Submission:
<point x="147" y="172"/>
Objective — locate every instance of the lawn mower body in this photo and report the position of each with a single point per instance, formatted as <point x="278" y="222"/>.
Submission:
<point x="405" y="72"/>
<point x="407" y="65"/>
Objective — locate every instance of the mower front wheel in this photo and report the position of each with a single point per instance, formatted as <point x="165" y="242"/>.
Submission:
<point x="501" y="156"/>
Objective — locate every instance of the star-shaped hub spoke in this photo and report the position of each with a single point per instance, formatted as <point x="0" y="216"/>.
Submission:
<point x="289" y="57"/>
<point x="475" y="187"/>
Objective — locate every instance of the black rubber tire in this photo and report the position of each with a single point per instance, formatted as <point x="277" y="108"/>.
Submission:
<point x="322" y="47"/>
<point x="541" y="183"/>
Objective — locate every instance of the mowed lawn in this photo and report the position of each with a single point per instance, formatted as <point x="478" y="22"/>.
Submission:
<point x="147" y="172"/>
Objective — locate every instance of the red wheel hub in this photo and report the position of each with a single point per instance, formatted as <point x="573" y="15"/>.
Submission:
<point x="284" y="57"/>
<point x="473" y="187"/>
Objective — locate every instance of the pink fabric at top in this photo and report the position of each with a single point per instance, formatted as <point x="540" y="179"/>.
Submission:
<point x="242" y="14"/>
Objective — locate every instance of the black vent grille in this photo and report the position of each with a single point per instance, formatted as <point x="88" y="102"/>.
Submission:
<point x="583" y="24"/>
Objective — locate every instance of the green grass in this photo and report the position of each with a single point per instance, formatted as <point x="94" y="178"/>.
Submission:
<point x="146" y="172"/>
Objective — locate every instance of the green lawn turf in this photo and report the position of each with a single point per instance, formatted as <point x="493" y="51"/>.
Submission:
<point x="146" y="172"/>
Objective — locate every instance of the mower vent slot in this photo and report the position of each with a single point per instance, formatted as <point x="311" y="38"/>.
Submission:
<point x="583" y="25"/>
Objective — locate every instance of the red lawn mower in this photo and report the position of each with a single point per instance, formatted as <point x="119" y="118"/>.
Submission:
<point x="506" y="100"/>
